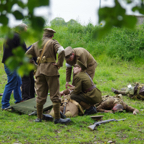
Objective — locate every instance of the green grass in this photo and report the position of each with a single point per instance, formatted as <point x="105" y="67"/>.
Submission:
<point x="113" y="70"/>
<point x="110" y="73"/>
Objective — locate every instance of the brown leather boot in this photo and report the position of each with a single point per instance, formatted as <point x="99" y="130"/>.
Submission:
<point x="39" y="112"/>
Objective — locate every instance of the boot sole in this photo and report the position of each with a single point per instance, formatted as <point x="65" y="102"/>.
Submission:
<point x="63" y="122"/>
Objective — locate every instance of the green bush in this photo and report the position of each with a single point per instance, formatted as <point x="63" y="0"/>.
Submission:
<point x="120" y="43"/>
<point x="125" y="43"/>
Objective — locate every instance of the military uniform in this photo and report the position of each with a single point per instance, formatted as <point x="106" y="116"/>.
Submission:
<point x="85" y="90"/>
<point x="82" y="55"/>
<point x="134" y="92"/>
<point x="72" y="108"/>
<point x="47" y="75"/>
<point x="109" y="102"/>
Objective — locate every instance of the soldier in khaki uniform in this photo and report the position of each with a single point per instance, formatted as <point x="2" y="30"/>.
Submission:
<point x="47" y="76"/>
<point x="113" y="104"/>
<point x="85" y="92"/>
<point x="134" y="92"/>
<point x="81" y="54"/>
<point x="69" y="107"/>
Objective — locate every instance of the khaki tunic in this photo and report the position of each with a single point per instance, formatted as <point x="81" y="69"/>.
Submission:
<point x="86" y="58"/>
<point x="82" y="83"/>
<point x="109" y="103"/>
<point x="72" y="110"/>
<point x="72" y="107"/>
<point x="47" y="75"/>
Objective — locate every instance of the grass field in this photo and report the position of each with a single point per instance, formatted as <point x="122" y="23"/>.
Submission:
<point x="21" y="129"/>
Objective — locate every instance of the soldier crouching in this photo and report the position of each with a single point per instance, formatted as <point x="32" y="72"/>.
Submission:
<point x="85" y="92"/>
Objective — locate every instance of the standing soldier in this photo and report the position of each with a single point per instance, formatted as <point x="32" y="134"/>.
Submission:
<point x="47" y="76"/>
<point x="81" y="54"/>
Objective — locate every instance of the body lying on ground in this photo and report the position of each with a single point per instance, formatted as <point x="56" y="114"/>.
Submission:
<point x="114" y="104"/>
<point x="134" y="92"/>
<point x="109" y="104"/>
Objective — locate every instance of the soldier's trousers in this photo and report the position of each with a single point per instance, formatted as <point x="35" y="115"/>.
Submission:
<point x="45" y="83"/>
<point x="78" y="98"/>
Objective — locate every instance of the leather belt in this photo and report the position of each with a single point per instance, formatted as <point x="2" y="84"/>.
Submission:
<point x="46" y="60"/>
<point x="90" y="89"/>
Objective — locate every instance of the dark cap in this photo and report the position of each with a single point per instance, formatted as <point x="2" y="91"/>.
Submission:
<point x="80" y="64"/>
<point x="49" y="31"/>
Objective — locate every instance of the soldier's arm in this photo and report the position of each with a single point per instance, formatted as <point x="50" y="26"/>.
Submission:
<point x="60" y="50"/>
<point x="83" y="58"/>
<point x="101" y="107"/>
<point x="60" y="58"/>
<point x="68" y="72"/>
<point x="78" y="85"/>
<point x="130" y="109"/>
<point x="106" y="105"/>
<point x="31" y="52"/>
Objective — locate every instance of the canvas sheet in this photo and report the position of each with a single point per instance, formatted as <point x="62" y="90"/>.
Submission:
<point x="29" y="106"/>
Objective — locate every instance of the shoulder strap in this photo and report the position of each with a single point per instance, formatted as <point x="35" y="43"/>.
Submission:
<point x="43" y="51"/>
<point x="90" y="79"/>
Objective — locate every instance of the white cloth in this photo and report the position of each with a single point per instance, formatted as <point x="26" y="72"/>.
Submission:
<point x="60" y="49"/>
<point x="68" y="65"/>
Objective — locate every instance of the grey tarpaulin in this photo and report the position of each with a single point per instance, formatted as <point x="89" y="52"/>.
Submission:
<point x="29" y="106"/>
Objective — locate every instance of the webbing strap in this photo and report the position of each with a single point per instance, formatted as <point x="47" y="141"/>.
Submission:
<point x="43" y="51"/>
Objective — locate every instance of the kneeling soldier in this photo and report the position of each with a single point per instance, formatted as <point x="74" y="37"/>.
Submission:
<point x="85" y="92"/>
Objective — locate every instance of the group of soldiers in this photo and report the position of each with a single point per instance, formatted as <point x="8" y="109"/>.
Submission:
<point x="84" y="91"/>
<point x="80" y="98"/>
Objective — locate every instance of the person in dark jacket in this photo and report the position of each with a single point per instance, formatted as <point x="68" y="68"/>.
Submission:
<point x="13" y="79"/>
<point x="28" y="82"/>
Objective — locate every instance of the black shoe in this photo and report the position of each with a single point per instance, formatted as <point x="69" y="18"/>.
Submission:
<point x="38" y="120"/>
<point x="62" y="121"/>
<point x="1" y="94"/>
<point x="91" y="110"/>
<point x="62" y="115"/>
<point x="47" y="117"/>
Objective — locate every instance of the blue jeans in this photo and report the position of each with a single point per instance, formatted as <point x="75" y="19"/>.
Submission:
<point x="13" y="84"/>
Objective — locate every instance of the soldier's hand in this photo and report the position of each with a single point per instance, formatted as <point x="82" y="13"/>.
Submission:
<point x="66" y="85"/>
<point x="70" y="85"/>
<point x="134" y="112"/>
<point x="56" y="65"/>
<point x="61" y="93"/>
